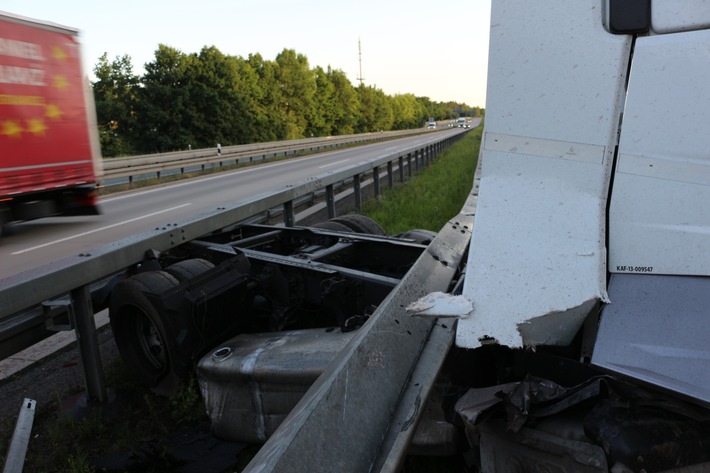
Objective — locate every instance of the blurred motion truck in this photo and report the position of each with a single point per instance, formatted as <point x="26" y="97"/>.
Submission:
<point x="49" y="153"/>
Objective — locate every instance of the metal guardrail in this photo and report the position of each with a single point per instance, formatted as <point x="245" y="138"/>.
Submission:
<point x="70" y="279"/>
<point x="153" y="165"/>
<point x="361" y="414"/>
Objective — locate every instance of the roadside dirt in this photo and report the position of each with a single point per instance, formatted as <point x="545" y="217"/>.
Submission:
<point x="57" y="377"/>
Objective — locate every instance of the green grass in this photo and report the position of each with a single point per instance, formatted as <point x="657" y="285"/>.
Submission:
<point x="429" y="200"/>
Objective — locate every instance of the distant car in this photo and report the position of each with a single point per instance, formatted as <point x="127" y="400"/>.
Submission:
<point x="431" y="125"/>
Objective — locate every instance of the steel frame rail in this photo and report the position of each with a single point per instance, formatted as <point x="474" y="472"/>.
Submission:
<point x="362" y="412"/>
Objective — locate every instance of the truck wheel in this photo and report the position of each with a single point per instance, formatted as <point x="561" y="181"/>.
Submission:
<point x="360" y="224"/>
<point x="333" y="226"/>
<point x="189" y="268"/>
<point x="423" y="237"/>
<point x="140" y="332"/>
<point x="5" y="218"/>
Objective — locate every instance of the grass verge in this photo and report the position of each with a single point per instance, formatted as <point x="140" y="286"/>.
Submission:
<point x="430" y="199"/>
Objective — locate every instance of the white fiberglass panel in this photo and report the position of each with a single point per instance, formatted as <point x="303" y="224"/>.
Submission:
<point x="669" y="16"/>
<point x="659" y="220"/>
<point x="554" y="72"/>
<point x="537" y="262"/>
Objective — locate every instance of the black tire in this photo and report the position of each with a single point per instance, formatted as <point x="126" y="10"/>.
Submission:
<point x="332" y="226"/>
<point x="189" y="268"/>
<point x="5" y="218"/>
<point x="360" y="224"/>
<point x="141" y="334"/>
<point x="423" y="237"/>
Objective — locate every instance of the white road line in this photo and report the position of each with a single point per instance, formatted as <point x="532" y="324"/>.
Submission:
<point x="49" y="243"/>
<point x="221" y="175"/>
<point x="333" y="164"/>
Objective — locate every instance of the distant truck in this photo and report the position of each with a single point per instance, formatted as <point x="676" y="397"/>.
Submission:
<point x="49" y="151"/>
<point x="461" y="123"/>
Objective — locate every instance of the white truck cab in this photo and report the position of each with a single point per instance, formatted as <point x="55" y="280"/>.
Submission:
<point x="592" y="225"/>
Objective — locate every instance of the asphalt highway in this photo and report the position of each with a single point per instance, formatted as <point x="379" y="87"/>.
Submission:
<point x="125" y="214"/>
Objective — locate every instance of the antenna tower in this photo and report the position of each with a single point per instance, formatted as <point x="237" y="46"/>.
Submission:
<point x="359" y="51"/>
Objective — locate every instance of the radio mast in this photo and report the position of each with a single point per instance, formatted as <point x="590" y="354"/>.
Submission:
<point x="359" y="51"/>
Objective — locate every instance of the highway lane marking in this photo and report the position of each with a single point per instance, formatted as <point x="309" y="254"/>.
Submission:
<point x="219" y="176"/>
<point x="79" y="235"/>
<point x="333" y="164"/>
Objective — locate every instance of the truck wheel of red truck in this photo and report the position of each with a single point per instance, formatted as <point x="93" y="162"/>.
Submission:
<point x="141" y="334"/>
<point x="4" y="221"/>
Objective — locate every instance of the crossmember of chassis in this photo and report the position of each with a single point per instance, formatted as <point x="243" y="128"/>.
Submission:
<point x="175" y="306"/>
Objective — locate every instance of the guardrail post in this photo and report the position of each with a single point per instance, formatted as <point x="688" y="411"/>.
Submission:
<point x="330" y="200"/>
<point x="401" y="169"/>
<point x="376" y="181"/>
<point x="409" y="164"/>
<point x="356" y="190"/>
<point x="289" y="217"/>
<point x="390" y="175"/>
<point x="88" y="342"/>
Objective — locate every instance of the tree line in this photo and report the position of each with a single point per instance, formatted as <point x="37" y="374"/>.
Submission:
<point x="200" y="99"/>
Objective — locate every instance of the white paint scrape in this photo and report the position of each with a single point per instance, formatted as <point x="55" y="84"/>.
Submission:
<point x="440" y="304"/>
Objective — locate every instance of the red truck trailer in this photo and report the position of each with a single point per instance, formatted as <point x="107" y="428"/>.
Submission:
<point x="49" y="149"/>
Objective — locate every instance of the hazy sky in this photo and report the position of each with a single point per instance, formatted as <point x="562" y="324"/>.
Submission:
<point x="433" y="49"/>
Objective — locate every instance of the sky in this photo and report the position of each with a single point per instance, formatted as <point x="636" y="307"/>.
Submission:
<point x="432" y="49"/>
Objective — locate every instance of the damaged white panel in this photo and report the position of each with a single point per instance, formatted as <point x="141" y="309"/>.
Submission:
<point x="537" y="262"/>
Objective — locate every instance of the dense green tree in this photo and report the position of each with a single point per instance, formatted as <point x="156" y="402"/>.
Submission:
<point x="407" y="112"/>
<point x="201" y="99"/>
<point x="375" y="110"/>
<point x="254" y="121"/>
<point x="347" y="104"/>
<point x="324" y="109"/>
<point x="296" y="87"/>
<point x="216" y="106"/>
<point x="167" y="120"/>
<point x="115" y="95"/>
<point x="272" y="99"/>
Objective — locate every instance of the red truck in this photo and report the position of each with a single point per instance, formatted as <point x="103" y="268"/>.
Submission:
<point x="49" y="148"/>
